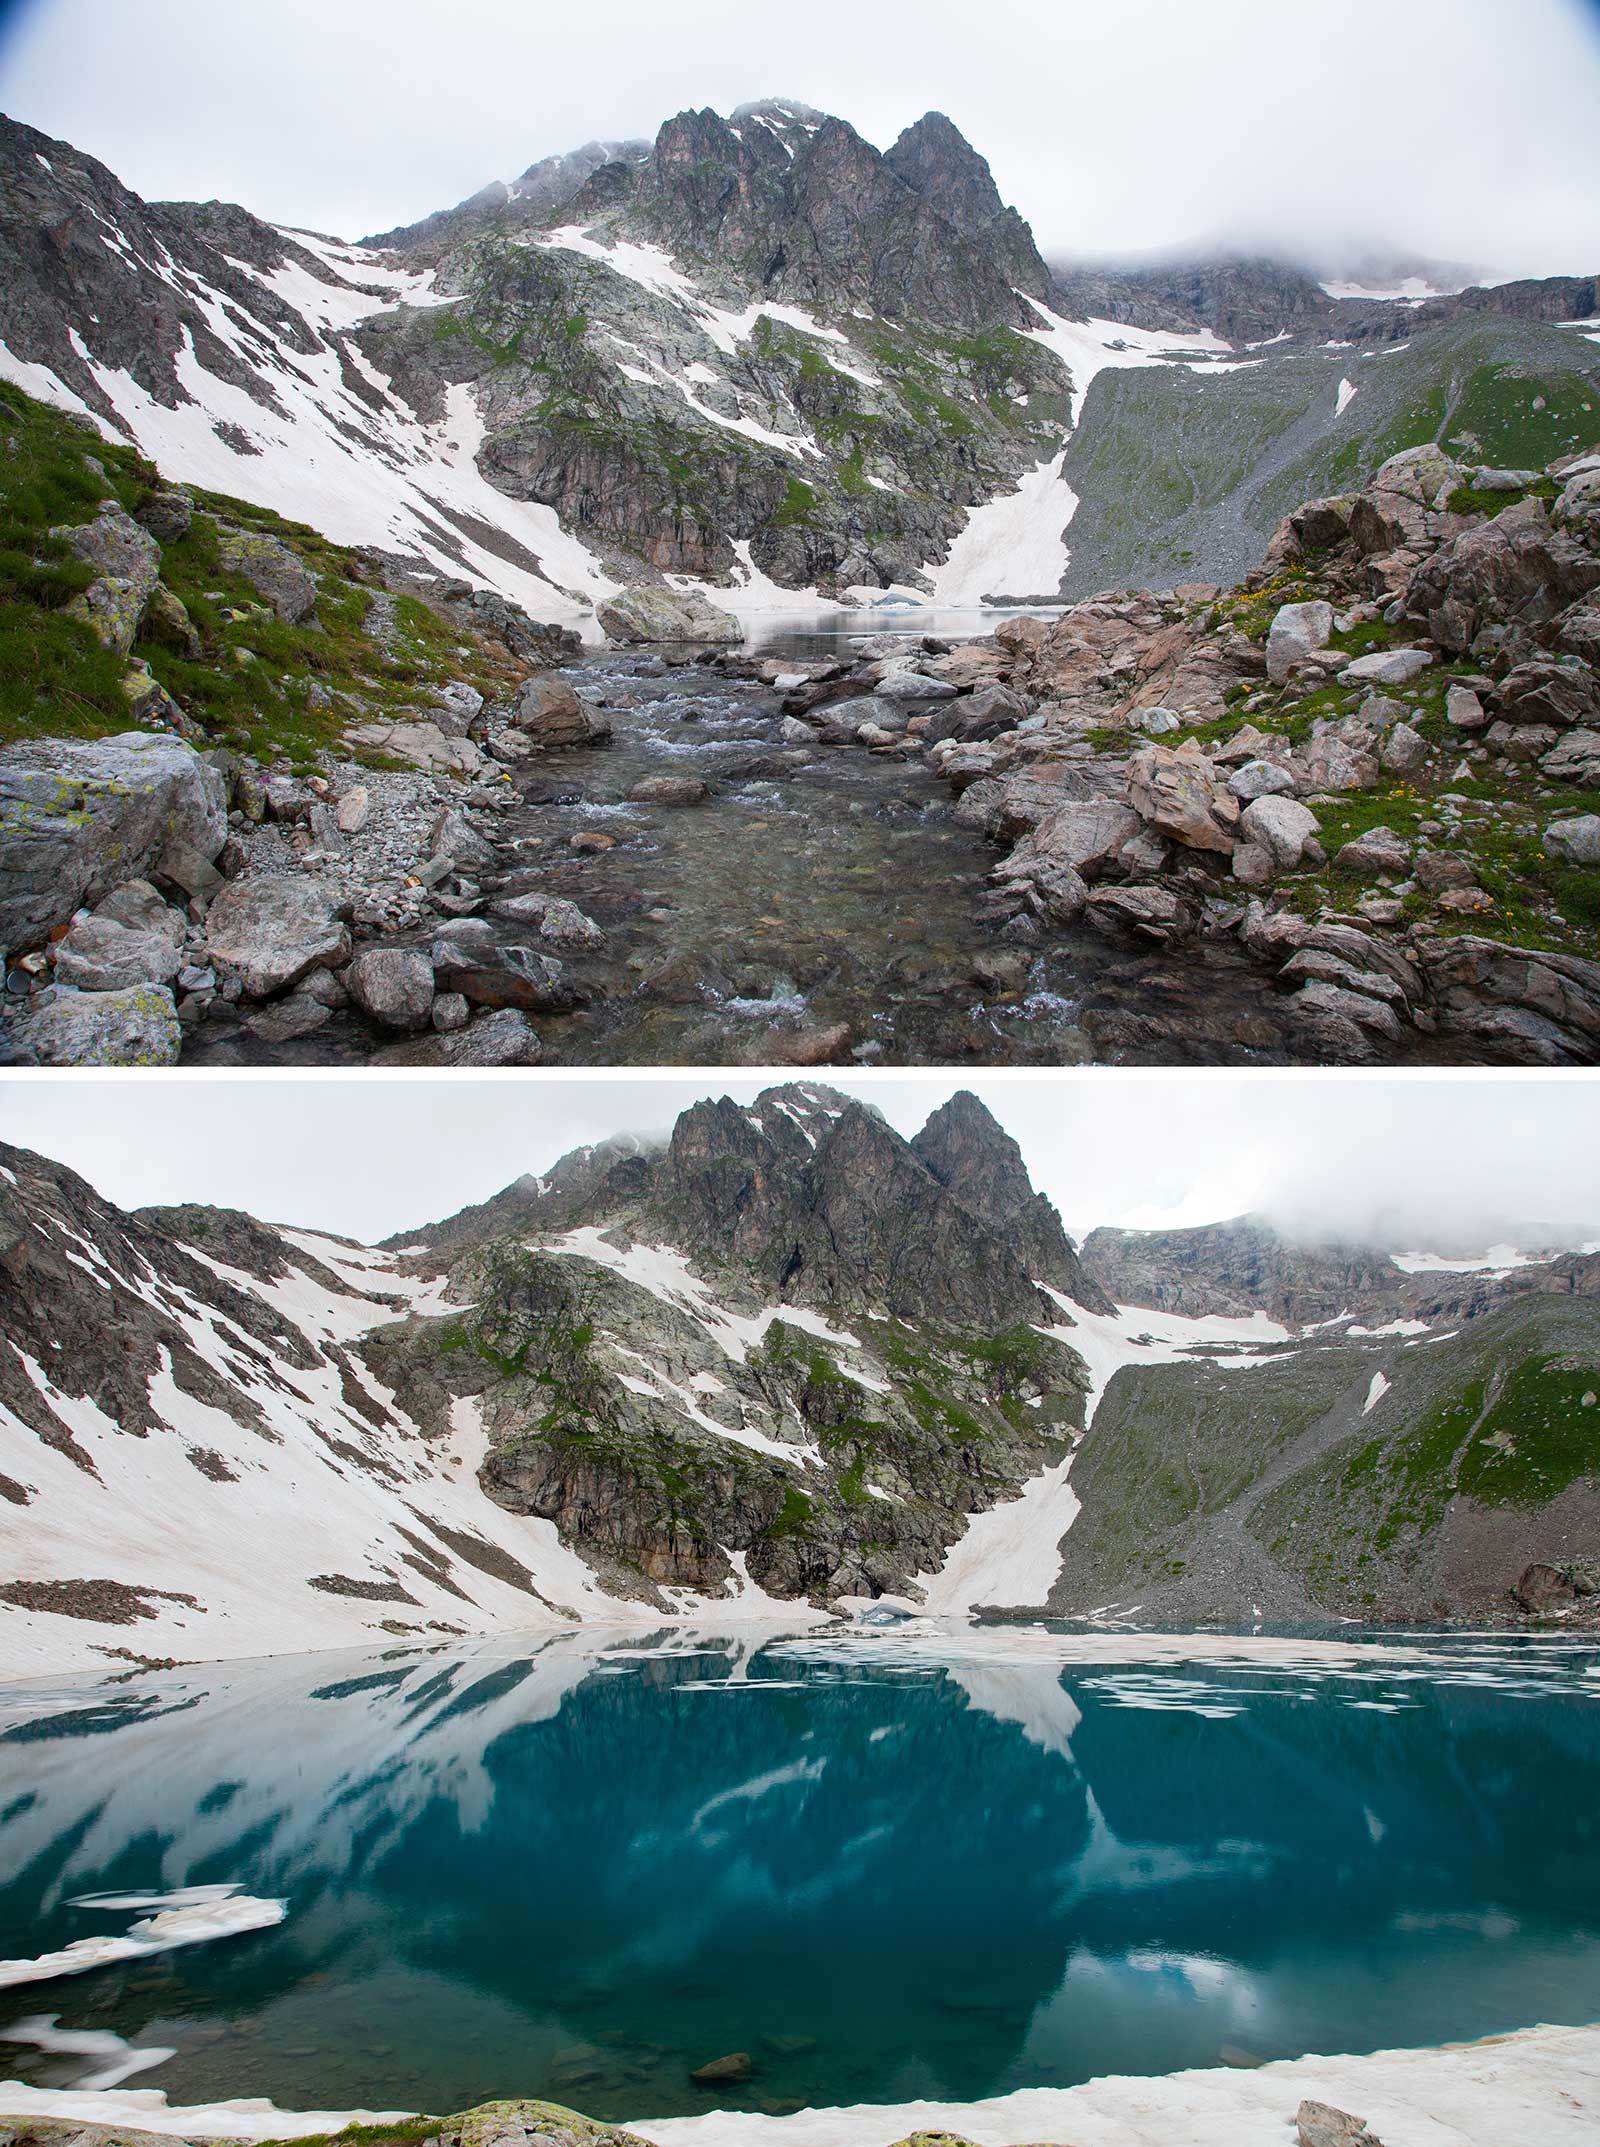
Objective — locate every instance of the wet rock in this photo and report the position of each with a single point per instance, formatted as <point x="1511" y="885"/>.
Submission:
<point x="1575" y="841"/>
<point x="838" y="721"/>
<point x="269" y="933"/>
<point x="635" y="615"/>
<point x="126" y="563"/>
<point x="393" y="985"/>
<point x="1177" y="793"/>
<point x="914" y="688"/>
<point x="1157" y="913"/>
<point x="505" y="1037"/>
<point x="1529" y="1009"/>
<point x="793" y="732"/>
<point x="985" y="713"/>
<point x="134" y="1027"/>
<point x="556" y="717"/>
<point x="1281" y="826"/>
<point x="669" y="790"/>
<point x="275" y="573"/>
<point x="285" y="1021"/>
<point x="1297" y="631"/>
<point x="589" y="842"/>
<point x="79" y="817"/>
<point x="560" y="922"/>
<point x="736" y="2066"/>
<point x="819" y="1045"/>
<point x="469" y="958"/>
<point x="1085" y="834"/>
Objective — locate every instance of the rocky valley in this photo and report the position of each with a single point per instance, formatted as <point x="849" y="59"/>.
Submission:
<point x="314" y="547"/>
<point x="787" y="1360"/>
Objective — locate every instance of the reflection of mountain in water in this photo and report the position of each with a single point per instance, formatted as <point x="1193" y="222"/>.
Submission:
<point x="584" y="1870"/>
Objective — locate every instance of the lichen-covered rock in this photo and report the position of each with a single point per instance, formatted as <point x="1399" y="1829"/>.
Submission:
<point x="99" y="954"/>
<point x="78" y="817"/>
<point x="127" y="565"/>
<point x="269" y="933"/>
<point x="133" y="1027"/>
<point x="276" y="574"/>
<point x="669" y="615"/>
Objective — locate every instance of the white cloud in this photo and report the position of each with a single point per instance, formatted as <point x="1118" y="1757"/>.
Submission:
<point x="1449" y="126"/>
<point x="1431" y="1161"/>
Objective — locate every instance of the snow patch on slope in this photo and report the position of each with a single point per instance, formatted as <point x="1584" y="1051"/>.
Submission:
<point x="1011" y="1555"/>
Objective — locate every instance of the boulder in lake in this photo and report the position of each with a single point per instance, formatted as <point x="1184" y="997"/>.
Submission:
<point x="394" y="985"/>
<point x="671" y="615"/>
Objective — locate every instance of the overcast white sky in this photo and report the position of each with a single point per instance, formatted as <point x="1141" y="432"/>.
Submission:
<point x="1412" y="1162"/>
<point x="1461" y="128"/>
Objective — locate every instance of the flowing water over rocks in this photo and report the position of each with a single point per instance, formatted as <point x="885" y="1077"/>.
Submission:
<point x="817" y="903"/>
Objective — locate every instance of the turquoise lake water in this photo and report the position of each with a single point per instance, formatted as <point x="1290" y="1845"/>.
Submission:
<point x="884" y="1864"/>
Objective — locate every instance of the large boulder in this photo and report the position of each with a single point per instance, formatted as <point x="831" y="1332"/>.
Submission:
<point x="1085" y="833"/>
<point x="134" y="1027"/>
<point x="555" y="716"/>
<point x="672" y="615"/>
<point x="1177" y="793"/>
<point x="78" y="817"/>
<point x="986" y="713"/>
<point x="277" y="576"/>
<point x="1560" y="695"/>
<point x="420" y="743"/>
<point x="505" y="1037"/>
<point x="1297" y="631"/>
<point x="555" y="919"/>
<point x="126" y="562"/>
<point x="471" y="958"/>
<point x="1280" y="826"/>
<point x="269" y="933"/>
<point x="1517" y="569"/>
<point x="1575" y="760"/>
<point x="393" y="985"/>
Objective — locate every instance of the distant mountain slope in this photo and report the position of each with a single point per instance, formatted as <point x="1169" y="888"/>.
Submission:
<point x="790" y="1358"/>
<point x="756" y="352"/>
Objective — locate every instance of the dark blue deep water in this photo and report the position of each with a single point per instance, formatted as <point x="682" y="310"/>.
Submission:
<point x="885" y="1865"/>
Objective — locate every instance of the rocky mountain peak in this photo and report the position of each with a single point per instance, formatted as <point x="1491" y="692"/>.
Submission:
<point x="935" y="158"/>
<point x="966" y="1148"/>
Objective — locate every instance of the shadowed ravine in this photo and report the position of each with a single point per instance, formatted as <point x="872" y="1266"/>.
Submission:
<point x="885" y="1867"/>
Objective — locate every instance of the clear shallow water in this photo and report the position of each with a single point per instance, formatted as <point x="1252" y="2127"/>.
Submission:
<point x="885" y="1865"/>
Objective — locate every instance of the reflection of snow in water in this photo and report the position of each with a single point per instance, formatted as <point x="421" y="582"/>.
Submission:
<point x="42" y="2032"/>
<point x="190" y="1917"/>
